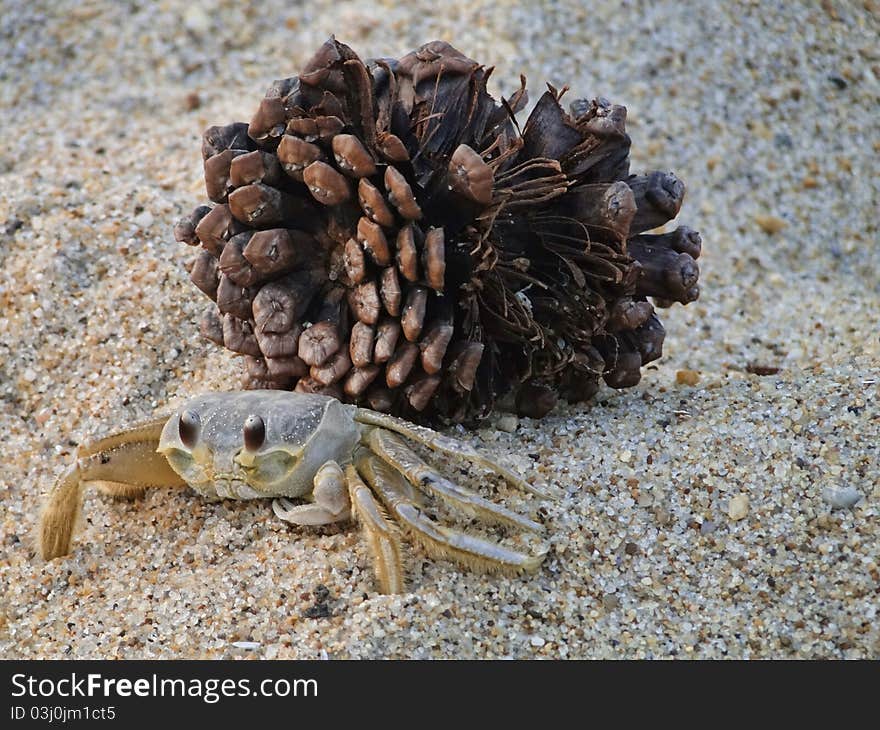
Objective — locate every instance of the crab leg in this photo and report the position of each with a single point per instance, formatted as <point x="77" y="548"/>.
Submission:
<point x="125" y="463"/>
<point x="439" y="541"/>
<point x="393" y="451"/>
<point x="438" y="442"/>
<point x="382" y="535"/>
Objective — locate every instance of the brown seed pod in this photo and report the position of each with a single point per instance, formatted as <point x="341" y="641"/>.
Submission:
<point x="407" y="254"/>
<point x="433" y="346"/>
<point x="254" y="167"/>
<point x="230" y="137"/>
<point x="414" y="313"/>
<point x="185" y="228"/>
<point x="260" y="206"/>
<point x="268" y="121"/>
<point x="309" y="385"/>
<point x="380" y="399"/>
<point x="360" y="347"/>
<point x="211" y="326"/>
<point x="627" y="370"/>
<point x="463" y="368"/>
<point x="325" y="184"/>
<point x="277" y="250"/>
<point x="352" y="157"/>
<point x="400" y="364"/>
<point x="419" y="394"/>
<point x="204" y="274"/>
<point x="373" y="204"/>
<point x="239" y="337"/>
<point x="276" y="309"/>
<point x="607" y="209"/>
<point x="234" y="265"/>
<point x="400" y="194"/>
<point x="391" y="148"/>
<point x="389" y="291"/>
<point x="334" y="369"/>
<point x="319" y="128"/>
<point x="658" y="197"/>
<point x="371" y="237"/>
<point x="359" y="379"/>
<point x="354" y="262"/>
<point x="318" y="343"/>
<point x="470" y="176"/>
<point x="216" y="227"/>
<point x="364" y="302"/>
<point x="286" y="367"/>
<point x="295" y="155"/>
<point x="627" y="314"/>
<point x="435" y="259"/>
<point x="217" y="174"/>
<point x="387" y="335"/>
<point x="510" y="254"/>
<point x="234" y="299"/>
<point x="280" y="345"/>
<point x="256" y="368"/>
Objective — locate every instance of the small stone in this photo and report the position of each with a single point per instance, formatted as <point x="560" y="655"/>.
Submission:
<point x="196" y="19"/>
<point x="842" y="498"/>
<point x="144" y="219"/>
<point x="610" y="601"/>
<point x="707" y="528"/>
<point x="631" y="549"/>
<point x="536" y="641"/>
<point x="783" y="141"/>
<point x="507" y="422"/>
<point x="662" y="516"/>
<point x="770" y="223"/>
<point x="738" y="507"/>
<point x="246" y="645"/>
<point x="687" y="377"/>
<point x="625" y="456"/>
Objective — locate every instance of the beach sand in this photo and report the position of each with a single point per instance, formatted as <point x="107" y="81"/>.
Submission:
<point x="698" y="520"/>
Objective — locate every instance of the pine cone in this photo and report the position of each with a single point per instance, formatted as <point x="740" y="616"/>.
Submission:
<point x="386" y="233"/>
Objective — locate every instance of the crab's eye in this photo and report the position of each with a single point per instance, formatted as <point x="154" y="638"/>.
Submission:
<point x="254" y="433"/>
<point x="188" y="428"/>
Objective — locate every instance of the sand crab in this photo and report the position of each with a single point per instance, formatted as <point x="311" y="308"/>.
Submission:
<point x="344" y="461"/>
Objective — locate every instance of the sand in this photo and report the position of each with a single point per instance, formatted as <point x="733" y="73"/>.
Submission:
<point x="707" y="512"/>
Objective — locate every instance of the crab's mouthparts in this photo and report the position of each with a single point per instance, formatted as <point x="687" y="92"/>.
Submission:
<point x="232" y="486"/>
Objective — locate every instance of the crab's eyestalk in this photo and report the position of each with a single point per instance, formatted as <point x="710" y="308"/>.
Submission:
<point x="254" y="432"/>
<point x="188" y="428"/>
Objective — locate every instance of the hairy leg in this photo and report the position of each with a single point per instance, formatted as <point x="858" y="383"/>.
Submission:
<point x="382" y="535"/>
<point x="393" y="451"/>
<point x="440" y="541"/>
<point x="125" y="462"/>
<point x="454" y="449"/>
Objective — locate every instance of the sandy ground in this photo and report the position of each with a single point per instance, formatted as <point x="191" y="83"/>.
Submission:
<point x="768" y="111"/>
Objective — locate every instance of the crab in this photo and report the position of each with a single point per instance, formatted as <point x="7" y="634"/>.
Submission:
<point x="343" y="461"/>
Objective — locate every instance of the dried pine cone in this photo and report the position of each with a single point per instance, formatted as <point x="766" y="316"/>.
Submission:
<point x="386" y="233"/>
